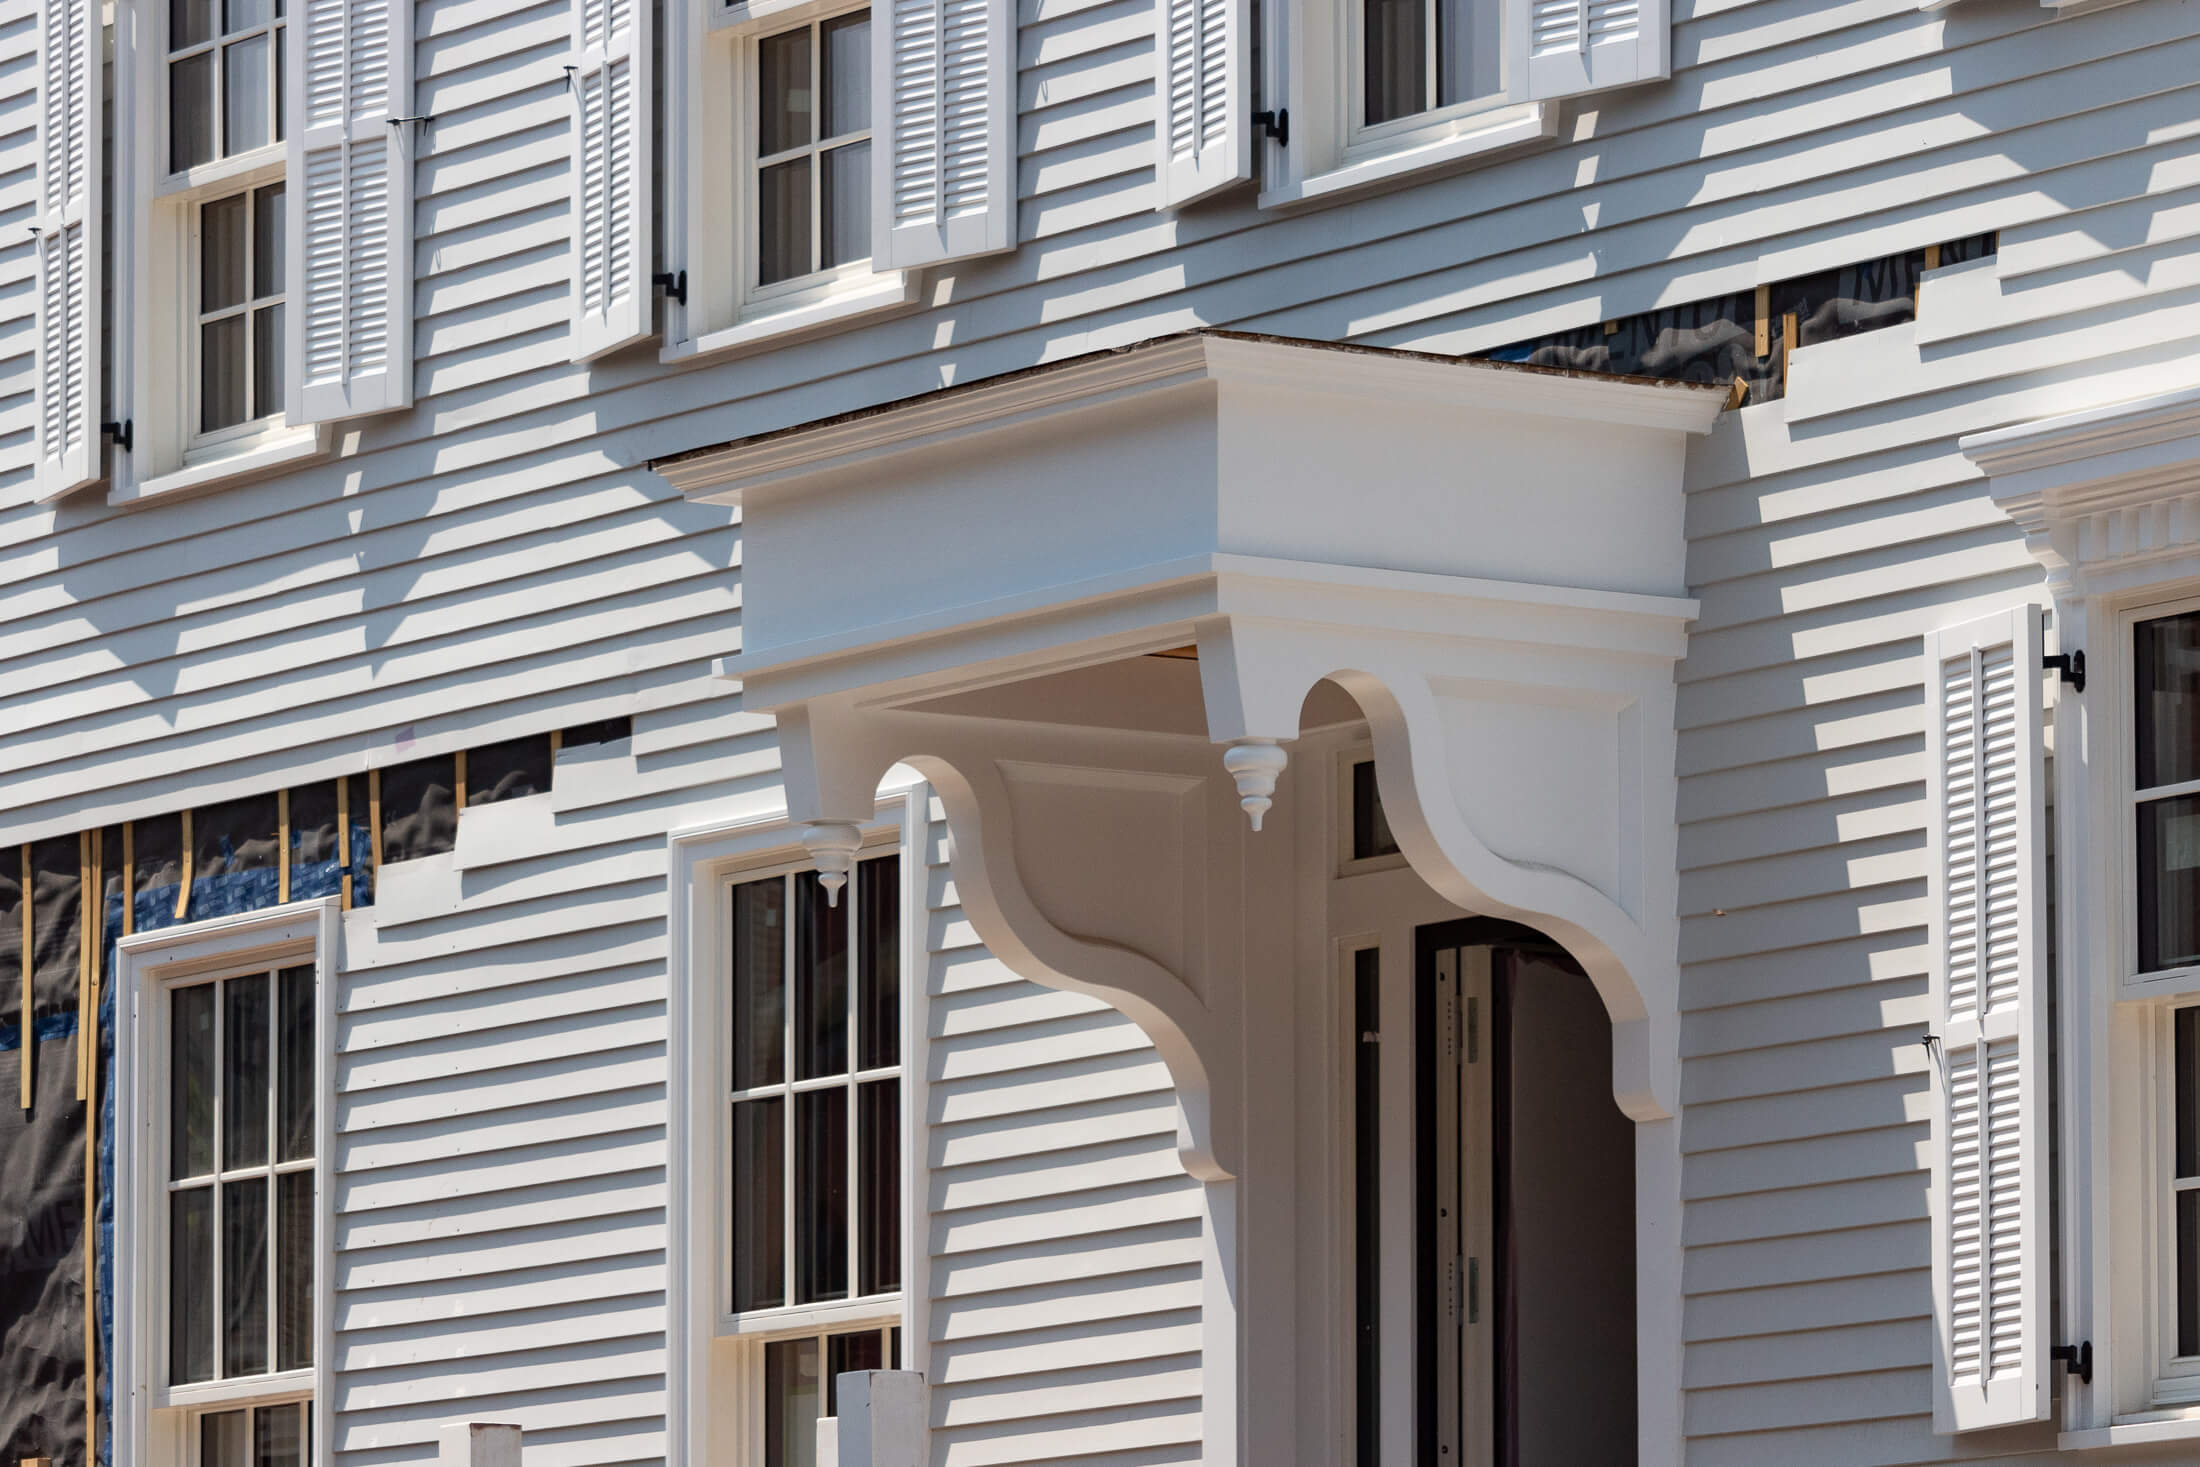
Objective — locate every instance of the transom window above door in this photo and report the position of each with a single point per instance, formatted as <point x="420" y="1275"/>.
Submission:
<point x="2166" y="790"/>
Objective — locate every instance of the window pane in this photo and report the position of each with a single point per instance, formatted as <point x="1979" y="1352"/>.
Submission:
<point x="222" y="1439"/>
<point x="243" y="15"/>
<point x="858" y="1350"/>
<point x="191" y="111"/>
<point x="758" y="1187"/>
<point x="267" y="360"/>
<point x="244" y="1071"/>
<point x="278" y="1436"/>
<point x="878" y="1157"/>
<point x="893" y="1353"/>
<point x="278" y="81"/>
<point x="2188" y="1092"/>
<point x="293" y="1270"/>
<point x="847" y="204"/>
<point x="191" y="1082"/>
<point x="1467" y="57"/>
<point x="221" y="374"/>
<point x="878" y="961"/>
<point x="791" y="1402"/>
<point x="267" y="241"/>
<point x="2169" y="883"/>
<point x="847" y="80"/>
<point x="820" y="982"/>
<point x="1370" y="825"/>
<point x="248" y="120"/>
<point x="190" y="22"/>
<point x="821" y="1195"/>
<point x="2188" y="1273"/>
<point x="2168" y="702"/>
<point x="191" y="1285"/>
<point x="244" y="1277"/>
<point x="294" y="1095"/>
<point x="759" y="996"/>
<point x="783" y="92"/>
<point x="783" y="221"/>
<point x="1396" y="46"/>
<point x="221" y="254"/>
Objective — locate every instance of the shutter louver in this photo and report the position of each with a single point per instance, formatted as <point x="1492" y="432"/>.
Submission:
<point x="67" y="243"/>
<point x="1205" y="132"/>
<point x="350" y="215"/>
<point x="1566" y="47"/>
<point x="611" y="300"/>
<point x="1989" y="1011"/>
<point x="944" y="167"/>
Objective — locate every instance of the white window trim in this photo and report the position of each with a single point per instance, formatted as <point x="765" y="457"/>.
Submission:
<point x="150" y="1424"/>
<point x="155" y="294"/>
<point x="1313" y="71"/>
<point x="709" y="92"/>
<point x="703" y="859"/>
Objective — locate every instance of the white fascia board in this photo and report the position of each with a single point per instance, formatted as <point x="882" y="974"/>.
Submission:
<point x="2089" y="437"/>
<point x="720" y="476"/>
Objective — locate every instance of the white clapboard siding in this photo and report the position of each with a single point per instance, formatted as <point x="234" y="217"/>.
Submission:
<point x="943" y="166"/>
<point x="611" y="171"/>
<point x="1063" y="1231"/>
<point x="1205" y="128"/>
<point x="349" y="225"/>
<point x="1990" y="1215"/>
<point x="67" y="231"/>
<point x="1566" y="47"/>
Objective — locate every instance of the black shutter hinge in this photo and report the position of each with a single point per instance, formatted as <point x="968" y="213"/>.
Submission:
<point x="120" y="432"/>
<point x="2072" y="667"/>
<point x="2079" y="1359"/>
<point x="675" y="284"/>
<point x="1276" y="124"/>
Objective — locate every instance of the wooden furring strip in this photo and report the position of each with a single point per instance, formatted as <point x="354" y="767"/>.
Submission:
<point x="458" y="762"/>
<point x="83" y="959"/>
<point x="374" y="822"/>
<point x="183" y="891"/>
<point x="1764" y="322"/>
<point x="282" y="840"/>
<point x="30" y="1045"/>
<point x="129" y="875"/>
<point x="343" y="835"/>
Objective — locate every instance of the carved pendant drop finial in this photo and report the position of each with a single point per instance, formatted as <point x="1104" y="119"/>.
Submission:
<point x="1254" y="764"/>
<point x="833" y="845"/>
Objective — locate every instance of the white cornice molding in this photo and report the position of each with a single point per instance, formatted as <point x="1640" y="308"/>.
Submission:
<point x="720" y="475"/>
<point x="2106" y="488"/>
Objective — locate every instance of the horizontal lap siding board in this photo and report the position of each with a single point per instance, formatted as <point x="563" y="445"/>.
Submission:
<point x="1063" y="1232"/>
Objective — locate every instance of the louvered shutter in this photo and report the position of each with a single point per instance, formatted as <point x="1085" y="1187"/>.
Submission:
<point x="943" y="165"/>
<point x="67" y="242"/>
<point x="1989" y="1138"/>
<point x="1562" y="48"/>
<point x="1206" y="138"/>
<point x="611" y="246"/>
<point x="349" y="321"/>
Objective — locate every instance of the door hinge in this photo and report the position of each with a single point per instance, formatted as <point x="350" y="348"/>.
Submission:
<point x="2077" y="1358"/>
<point x="2072" y="667"/>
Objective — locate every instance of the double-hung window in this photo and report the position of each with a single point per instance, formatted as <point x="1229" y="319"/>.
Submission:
<point x="1421" y="57"/>
<point x="220" y="1227"/>
<point x="813" y="1167"/>
<point x="810" y="176"/>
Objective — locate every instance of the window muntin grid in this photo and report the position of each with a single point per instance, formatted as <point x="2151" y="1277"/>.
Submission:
<point x="240" y="1175"/>
<point x="2166" y="790"/>
<point x="237" y="333"/>
<point x="225" y="79"/>
<point x="810" y="184"/>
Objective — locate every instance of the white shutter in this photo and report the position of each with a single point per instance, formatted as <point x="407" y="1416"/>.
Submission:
<point x="67" y="228"/>
<point x="1562" y="48"/>
<point x="1205" y="134"/>
<point x="943" y="160"/>
<point x="349" y="318"/>
<point x="1989" y="1140"/>
<point x="611" y="302"/>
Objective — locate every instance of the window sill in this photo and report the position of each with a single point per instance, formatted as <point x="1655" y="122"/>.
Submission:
<point x="1412" y="162"/>
<point x="892" y="291"/>
<point x="805" y="1318"/>
<point x="2173" y="1430"/>
<point x="279" y="451"/>
<point x="255" y="1388"/>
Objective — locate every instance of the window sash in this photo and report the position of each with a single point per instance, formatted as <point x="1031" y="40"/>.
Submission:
<point x="215" y="47"/>
<point x="2136" y="798"/>
<point x="248" y="306"/>
<point x="850" y="1080"/>
<point x="1358" y="131"/>
<point x="753" y="163"/>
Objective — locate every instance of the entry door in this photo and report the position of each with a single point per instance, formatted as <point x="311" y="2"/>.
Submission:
<point x="1456" y="1204"/>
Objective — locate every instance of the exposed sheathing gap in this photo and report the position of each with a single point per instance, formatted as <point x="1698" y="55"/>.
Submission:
<point x="235" y="856"/>
<point x="43" y="1365"/>
<point x="416" y="809"/>
<point x="129" y="875"/>
<point x="511" y="770"/>
<point x="57" y="946"/>
<point x="325" y="845"/>
<point x="158" y="889"/>
<point x="28" y="1002"/>
<point x="83" y="961"/>
<point x="602" y="731"/>
<point x="92" y="924"/>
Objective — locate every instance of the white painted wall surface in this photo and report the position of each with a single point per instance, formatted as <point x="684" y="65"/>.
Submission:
<point x="492" y="563"/>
